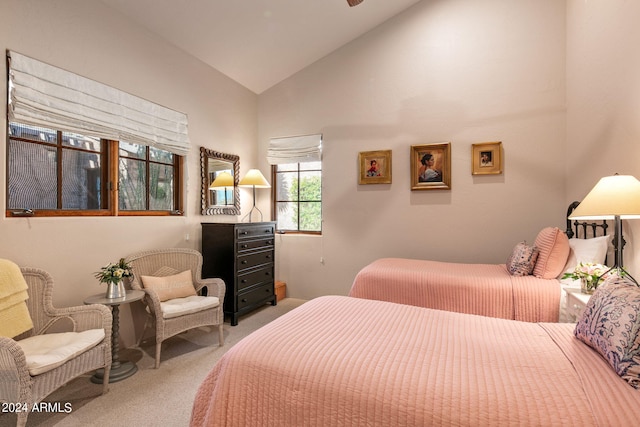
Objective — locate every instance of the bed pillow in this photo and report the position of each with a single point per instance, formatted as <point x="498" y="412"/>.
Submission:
<point x="169" y="287"/>
<point x="522" y="260"/>
<point x="553" y="252"/>
<point x="610" y="324"/>
<point x="592" y="250"/>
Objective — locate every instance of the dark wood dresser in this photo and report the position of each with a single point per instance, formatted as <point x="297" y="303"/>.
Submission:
<point x="243" y="255"/>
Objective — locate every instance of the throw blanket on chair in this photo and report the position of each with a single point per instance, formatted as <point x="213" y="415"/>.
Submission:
<point x="14" y="314"/>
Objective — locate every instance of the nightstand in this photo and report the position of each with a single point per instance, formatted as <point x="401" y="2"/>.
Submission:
<point x="576" y="302"/>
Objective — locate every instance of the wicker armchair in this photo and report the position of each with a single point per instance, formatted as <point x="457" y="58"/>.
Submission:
<point x="167" y="262"/>
<point x="17" y="385"/>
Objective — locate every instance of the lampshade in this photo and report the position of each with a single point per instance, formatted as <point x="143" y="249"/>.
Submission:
<point x="224" y="179"/>
<point x="254" y="178"/>
<point x="617" y="195"/>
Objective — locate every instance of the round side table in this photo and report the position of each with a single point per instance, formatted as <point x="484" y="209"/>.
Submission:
<point x="119" y="370"/>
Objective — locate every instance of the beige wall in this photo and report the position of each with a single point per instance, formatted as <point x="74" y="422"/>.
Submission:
<point x="603" y="93"/>
<point x="456" y="70"/>
<point x="87" y="38"/>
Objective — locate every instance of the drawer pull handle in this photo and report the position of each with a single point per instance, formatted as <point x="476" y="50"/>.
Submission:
<point x="245" y="246"/>
<point x="267" y="290"/>
<point x="270" y="242"/>
<point x="244" y="300"/>
<point x="243" y="281"/>
<point x="244" y="261"/>
<point x="268" y="256"/>
<point x="244" y="232"/>
<point x="267" y="273"/>
<point x="267" y="231"/>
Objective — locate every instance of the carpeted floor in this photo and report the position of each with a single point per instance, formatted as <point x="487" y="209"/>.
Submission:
<point x="152" y="397"/>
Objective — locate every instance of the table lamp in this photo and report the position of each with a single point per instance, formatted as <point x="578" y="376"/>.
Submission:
<point x="223" y="181"/>
<point x="254" y="179"/>
<point x="614" y="197"/>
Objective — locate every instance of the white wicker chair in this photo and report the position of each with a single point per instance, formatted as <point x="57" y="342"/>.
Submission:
<point x="16" y="384"/>
<point x="166" y="262"/>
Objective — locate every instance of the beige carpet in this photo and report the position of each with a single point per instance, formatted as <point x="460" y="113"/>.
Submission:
<point x="152" y="397"/>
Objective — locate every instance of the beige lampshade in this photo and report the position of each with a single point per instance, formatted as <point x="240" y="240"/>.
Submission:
<point x="224" y="179"/>
<point x="613" y="195"/>
<point x="254" y="178"/>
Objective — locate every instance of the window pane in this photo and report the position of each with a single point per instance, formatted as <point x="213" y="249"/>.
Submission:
<point x="310" y="186"/>
<point x="32" y="133"/>
<point x="287" y="186"/>
<point x="287" y="167"/>
<point x="310" y="166"/>
<point x="32" y="181"/>
<point x="287" y="218"/>
<point x="132" y="185"/>
<point x="81" y="176"/>
<point x="161" y="156"/>
<point x="80" y="141"/>
<point x="161" y="187"/>
<point x="310" y="216"/>
<point x="134" y="151"/>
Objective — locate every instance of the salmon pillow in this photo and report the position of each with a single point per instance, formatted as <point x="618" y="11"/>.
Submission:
<point x="553" y="252"/>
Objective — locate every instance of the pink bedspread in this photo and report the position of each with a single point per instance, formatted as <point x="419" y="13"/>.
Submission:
<point x="341" y="361"/>
<point x="485" y="289"/>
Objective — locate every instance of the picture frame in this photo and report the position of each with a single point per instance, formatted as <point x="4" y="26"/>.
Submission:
<point x="431" y="166"/>
<point x="375" y="167"/>
<point x="486" y="158"/>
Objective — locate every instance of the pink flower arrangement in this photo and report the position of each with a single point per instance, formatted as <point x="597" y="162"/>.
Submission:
<point x="590" y="273"/>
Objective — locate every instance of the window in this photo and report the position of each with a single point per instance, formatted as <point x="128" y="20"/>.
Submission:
<point x="298" y="197"/>
<point x="56" y="173"/>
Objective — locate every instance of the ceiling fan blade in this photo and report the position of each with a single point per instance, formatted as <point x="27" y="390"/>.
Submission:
<point x="354" y="2"/>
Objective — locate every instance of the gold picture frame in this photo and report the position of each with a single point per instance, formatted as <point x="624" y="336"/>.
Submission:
<point x="486" y="158"/>
<point x="431" y="166"/>
<point x="375" y="167"/>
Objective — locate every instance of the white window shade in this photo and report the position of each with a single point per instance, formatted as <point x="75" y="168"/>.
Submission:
<point x="295" y="149"/>
<point x="47" y="96"/>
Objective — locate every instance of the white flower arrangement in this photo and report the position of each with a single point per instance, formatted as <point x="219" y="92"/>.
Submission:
<point x="113" y="273"/>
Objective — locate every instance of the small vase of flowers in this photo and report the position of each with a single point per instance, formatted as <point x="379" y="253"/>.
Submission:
<point x="590" y="274"/>
<point x="112" y="275"/>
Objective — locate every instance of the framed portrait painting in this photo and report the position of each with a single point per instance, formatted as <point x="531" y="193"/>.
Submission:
<point x="431" y="166"/>
<point x="486" y="158"/>
<point x="375" y="167"/>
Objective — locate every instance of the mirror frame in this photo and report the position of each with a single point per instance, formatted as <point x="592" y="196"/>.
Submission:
<point x="207" y="209"/>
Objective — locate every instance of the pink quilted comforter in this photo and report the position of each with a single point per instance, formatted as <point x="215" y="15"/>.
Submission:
<point x="485" y="289"/>
<point x="341" y="361"/>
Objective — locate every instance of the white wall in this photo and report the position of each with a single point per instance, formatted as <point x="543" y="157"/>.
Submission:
<point x="603" y="92"/>
<point x="445" y="70"/>
<point x="89" y="39"/>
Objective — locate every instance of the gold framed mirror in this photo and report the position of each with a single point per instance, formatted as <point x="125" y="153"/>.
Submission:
<point x="221" y="198"/>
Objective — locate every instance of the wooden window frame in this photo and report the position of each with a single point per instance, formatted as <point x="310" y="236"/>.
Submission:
<point x="109" y="155"/>
<point x="274" y="205"/>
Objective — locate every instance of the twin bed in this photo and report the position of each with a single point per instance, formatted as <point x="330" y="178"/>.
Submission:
<point x="491" y="289"/>
<point x="340" y="360"/>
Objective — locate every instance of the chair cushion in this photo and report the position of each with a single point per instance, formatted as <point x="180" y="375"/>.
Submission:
<point x="169" y="287"/>
<point x="48" y="351"/>
<point x="181" y="306"/>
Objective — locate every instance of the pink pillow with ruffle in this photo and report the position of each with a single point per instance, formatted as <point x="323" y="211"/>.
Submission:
<point x="553" y="252"/>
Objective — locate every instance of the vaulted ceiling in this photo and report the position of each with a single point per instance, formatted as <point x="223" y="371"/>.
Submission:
<point x="258" y="43"/>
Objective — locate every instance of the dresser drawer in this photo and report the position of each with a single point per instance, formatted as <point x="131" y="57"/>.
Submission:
<point x="254" y="277"/>
<point x="254" y="259"/>
<point x="256" y="295"/>
<point x="248" y="245"/>
<point x="252" y="232"/>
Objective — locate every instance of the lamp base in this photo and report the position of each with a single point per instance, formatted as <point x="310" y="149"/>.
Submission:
<point x="250" y="212"/>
